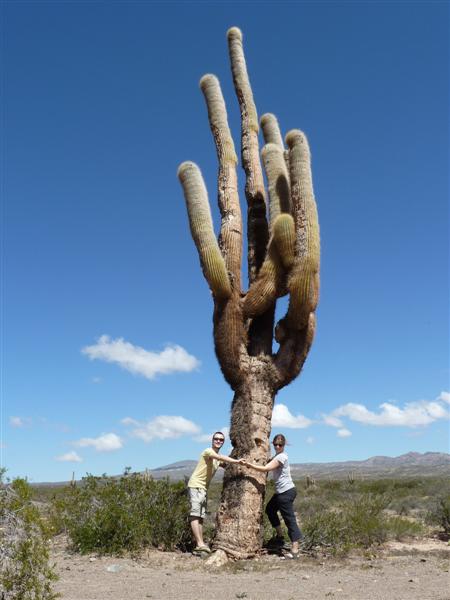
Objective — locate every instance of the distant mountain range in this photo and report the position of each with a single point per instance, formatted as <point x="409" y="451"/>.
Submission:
<point x="412" y="464"/>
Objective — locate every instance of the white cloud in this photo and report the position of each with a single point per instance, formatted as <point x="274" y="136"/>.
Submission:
<point x="207" y="437"/>
<point x="19" y="421"/>
<point x="412" y="414"/>
<point x="69" y="457"/>
<point x="332" y="421"/>
<point x="343" y="433"/>
<point x="444" y="397"/>
<point x="281" y="417"/>
<point x="139" y="361"/>
<point x="163" y="427"/>
<point x="96" y="380"/>
<point x="104" y="443"/>
<point x="310" y="439"/>
<point x="129" y="421"/>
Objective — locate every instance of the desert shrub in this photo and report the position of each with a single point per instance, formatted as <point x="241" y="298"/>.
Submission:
<point x="399" y="528"/>
<point x="440" y="515"/>
<point x="358" y="522"/>
<point x="25" y="572"/>
<point x="376" y="486"/>
<point x="404" y="505"/>
<point x="366" y="520"/>
<point x="112" y="515"/>
<point x="325" y="530"/>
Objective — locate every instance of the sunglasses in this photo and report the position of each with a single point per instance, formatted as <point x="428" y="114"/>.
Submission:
<point x="278" y="445"/>
<point x="219" y="439"/>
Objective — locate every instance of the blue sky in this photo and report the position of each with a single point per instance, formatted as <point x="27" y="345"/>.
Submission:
<point x="108" y="358"/>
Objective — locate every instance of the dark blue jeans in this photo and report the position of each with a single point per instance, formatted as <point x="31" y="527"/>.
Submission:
<point x="285" y="504"/>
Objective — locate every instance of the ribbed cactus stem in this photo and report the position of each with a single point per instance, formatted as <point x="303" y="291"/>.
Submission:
<point x="230" y="238"/>
<point x="271" y="130"/>
<point x="278" y="180"/>
<point x="272" y="134"/>
<point x="257" y="228"/>
<point x="202" y="231"/>
<point x="303" y="281"/>
<point x="217" y="113"/>
<point x="268" y="285"/>
<point x="284" y="237"/>
<point x="240" y="75"/>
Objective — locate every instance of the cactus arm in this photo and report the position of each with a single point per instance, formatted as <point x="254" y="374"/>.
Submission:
<point x="272" y="134"/>
<point x="295" y="332"/>
<point x="267" y="286"/>
<point x="257" y="228"/>
<point x="278" y="181"/>
<point x="200" y="221"/>
<point x="303" y="281"/>
<point x="230" y="238"/>
<point x="272" y="277"/>
<point x="293" y="351"/>
<point x="270" y="283"/>
<point x="284" y="238"/>
<point x="271" y="130"/>
<point x="229" y="332"/>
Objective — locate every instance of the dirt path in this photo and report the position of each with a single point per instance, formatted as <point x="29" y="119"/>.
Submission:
<point x="401" y="572"/>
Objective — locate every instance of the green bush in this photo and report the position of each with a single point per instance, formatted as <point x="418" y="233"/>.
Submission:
<point x="359" y="522"/>
<point x="113" y="515"/>
<point x="440" y="515"/>
<point x="399" y="528"/>
<point x="25" y="572"/>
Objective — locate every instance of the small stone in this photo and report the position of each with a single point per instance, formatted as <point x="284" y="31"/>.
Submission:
<point x="217" y="559"/>
<point x="413" y="581"/>
<point x="113" y="568"/>
<point x="92" y="559"/>
<point x="306" y="576"/>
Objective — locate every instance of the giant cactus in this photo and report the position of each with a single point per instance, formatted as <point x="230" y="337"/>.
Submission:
<point x="283" y="258"/>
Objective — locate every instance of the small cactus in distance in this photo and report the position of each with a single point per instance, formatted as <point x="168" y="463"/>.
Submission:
<point x="310" y="482"/>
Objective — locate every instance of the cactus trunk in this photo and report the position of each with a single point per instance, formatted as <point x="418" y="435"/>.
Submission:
<point x="239" y="517"/>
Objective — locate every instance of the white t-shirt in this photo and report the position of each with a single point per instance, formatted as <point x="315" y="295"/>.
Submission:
<point x="282" y="474"/>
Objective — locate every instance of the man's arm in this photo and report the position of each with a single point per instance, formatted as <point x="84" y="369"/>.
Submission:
<point x="225" y="459"/>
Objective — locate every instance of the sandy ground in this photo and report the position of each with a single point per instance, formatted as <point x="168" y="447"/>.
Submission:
<point x="398" y="572"/>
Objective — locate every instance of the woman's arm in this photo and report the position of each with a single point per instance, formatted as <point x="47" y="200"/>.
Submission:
<point x="271" y="466"/>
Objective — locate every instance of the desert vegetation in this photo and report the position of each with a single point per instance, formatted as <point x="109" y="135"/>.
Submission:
<point x="126" y="514"/>
<point x="131" y="513"/>
<point x="25" y="572"/>
<point x="113" y="515"/>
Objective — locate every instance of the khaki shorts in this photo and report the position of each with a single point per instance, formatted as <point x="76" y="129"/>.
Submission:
<point x="197" y="497"/>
